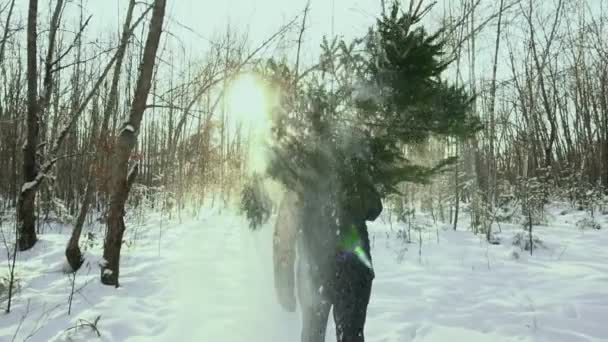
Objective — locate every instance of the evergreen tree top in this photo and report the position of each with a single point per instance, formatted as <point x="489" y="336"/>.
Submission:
<point x="346" y="122"/>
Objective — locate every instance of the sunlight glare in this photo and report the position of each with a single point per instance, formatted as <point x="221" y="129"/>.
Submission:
<point x="248" y="100"/>
<point x="249" y="103"/>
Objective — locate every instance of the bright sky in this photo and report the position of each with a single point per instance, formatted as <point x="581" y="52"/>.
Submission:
<point x="261" y="18"/>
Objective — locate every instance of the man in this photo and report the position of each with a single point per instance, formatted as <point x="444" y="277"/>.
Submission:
<point x="334" y="266"/>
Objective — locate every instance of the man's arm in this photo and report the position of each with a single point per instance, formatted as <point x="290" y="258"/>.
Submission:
<point x="284" y="251"/>
<point x="374" y="204"/>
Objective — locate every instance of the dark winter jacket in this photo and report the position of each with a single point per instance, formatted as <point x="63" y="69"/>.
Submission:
<point x="326" y="230"/>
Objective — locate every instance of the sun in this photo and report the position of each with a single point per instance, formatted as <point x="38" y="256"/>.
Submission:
<point x="248" y="102"/>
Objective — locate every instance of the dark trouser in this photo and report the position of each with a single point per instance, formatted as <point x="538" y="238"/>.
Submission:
<point x="348" y="291"/>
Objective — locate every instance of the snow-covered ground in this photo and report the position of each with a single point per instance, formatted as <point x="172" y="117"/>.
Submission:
<point x="210" y="279"/>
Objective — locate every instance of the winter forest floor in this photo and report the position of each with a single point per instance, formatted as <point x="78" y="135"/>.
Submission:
<point x="210" y="279"/>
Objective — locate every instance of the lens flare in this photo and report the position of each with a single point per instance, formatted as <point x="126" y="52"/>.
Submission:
<point x="248" y="105"/>
<point x="351" y="244"/>
<point x="248" y="101"/>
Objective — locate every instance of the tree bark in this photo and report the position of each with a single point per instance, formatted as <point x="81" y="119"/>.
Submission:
<point x="6" y="31"/>
<point x="604" y="101"/>
<point x="456" y="190"/>
<point x="112" y="105"/>
<point x="125" y="143"/>
<point x="72" y="252"/>
<point x="26" y="204"/>
<point x="491" y="185"/>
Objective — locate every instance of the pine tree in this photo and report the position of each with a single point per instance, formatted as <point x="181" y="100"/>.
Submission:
<point x="370" y="98"/>
<point x="340" y="129"/>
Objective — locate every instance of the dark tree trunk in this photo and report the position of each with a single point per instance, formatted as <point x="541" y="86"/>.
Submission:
<point x="120" y="180"/>
<point x="104" y="144"/>
<point x="72" y="252"/>
<point x="27" y="198"/>
<point x="456" y="198"/>
<point x="604" y="109"/>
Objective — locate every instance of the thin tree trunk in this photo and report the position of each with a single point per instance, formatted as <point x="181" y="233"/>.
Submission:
<point x="126" y="141"/>
<point x="26" y="206"/>
<point x="112" y="105"/>
<point x="6" y="33"/>
<point x="491" y="183"/>
<point x="26" y="218"/>
<point x="72" y="252"/>
<point x="456" y="189"/>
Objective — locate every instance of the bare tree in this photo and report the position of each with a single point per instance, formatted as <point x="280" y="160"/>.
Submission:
<point x="26" y="205"/>
<point x="35" y="176"/>
<point x="126" y="141"/>
<point x="7" y="31"/>
<point x="491" y="183"/>
<point x="72" y="252"/>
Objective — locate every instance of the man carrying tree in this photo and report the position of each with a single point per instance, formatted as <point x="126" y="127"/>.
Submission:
<point x="337" y="149"/>
<point x="334" y="262"/>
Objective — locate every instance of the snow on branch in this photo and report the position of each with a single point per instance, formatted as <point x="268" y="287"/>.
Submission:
<point x="129" y="128"/>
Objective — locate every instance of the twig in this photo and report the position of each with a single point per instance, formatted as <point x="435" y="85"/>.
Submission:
<point x="562" y="253"/>
<point x="72" y="277"/>
<point x="40" y="320"/>
<point x="78" y="35"/>
<point x="23" y="317"/>
<point x="85" y="323"/>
